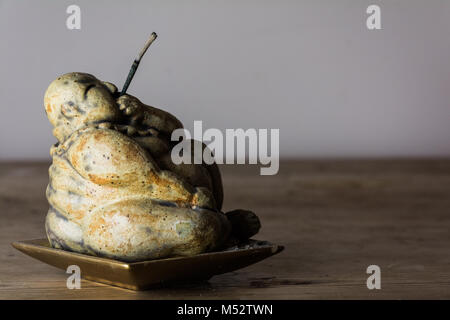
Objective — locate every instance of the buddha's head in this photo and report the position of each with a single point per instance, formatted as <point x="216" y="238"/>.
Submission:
<point x="75" y="100"/>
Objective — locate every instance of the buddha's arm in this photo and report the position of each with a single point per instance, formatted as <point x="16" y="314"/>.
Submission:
<point x="107" y="157"/>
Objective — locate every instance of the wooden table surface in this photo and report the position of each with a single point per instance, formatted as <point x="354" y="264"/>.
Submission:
<point x="334" y="217"/>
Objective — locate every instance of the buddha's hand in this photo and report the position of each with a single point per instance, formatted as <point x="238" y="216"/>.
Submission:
<point x="131" y="107"/>
<point x="144" y="117"/>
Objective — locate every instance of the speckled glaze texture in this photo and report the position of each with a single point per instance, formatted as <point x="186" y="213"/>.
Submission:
<point x="113" y="190"/>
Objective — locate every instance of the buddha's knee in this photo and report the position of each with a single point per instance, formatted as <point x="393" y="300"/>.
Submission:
<point x="134" y="230"/>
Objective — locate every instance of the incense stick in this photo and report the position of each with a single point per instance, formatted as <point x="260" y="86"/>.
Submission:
<point x="136" y="62"/>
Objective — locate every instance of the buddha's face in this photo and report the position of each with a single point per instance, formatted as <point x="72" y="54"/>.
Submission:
<point x="75" y="100"/>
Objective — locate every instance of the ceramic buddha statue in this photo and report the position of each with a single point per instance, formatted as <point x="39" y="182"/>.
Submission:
<point x="113" y="190"/>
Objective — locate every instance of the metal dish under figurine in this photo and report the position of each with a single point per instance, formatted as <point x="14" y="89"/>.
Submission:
<point x="152" y="273"/>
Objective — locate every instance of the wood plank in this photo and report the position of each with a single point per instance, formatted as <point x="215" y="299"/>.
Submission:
<point x="334" y="217"/>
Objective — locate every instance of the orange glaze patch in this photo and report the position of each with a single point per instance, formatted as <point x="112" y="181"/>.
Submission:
<point x="98" y="225"/>
<point x="166" y="185"/>
<point x="98" y="180"/>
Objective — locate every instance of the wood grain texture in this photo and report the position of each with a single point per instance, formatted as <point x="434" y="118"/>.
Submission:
<point x="334" y="217"/>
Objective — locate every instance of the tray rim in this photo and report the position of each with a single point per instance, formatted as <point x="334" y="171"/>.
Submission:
<point x="275" y="249"/>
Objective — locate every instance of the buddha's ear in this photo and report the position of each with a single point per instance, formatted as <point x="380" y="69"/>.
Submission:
<point x="111" y="87"/>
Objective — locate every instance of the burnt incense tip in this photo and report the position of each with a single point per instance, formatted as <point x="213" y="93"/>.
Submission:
<point x="150" y="40"/>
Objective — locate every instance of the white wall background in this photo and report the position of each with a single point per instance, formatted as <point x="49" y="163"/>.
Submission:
<point x="310" y="68"/>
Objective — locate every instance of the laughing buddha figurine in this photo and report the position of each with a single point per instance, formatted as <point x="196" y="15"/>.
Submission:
<point x="113" y="189"/>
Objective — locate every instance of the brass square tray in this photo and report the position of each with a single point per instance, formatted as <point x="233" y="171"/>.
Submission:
<point x="146" y="274"/>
